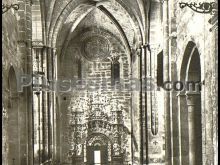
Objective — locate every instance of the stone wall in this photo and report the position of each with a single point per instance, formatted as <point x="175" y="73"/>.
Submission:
<point x="98" y="72"/>
<point x="195" y="27"/>
<point x="77" y="57"/>
<point x="155" y="106"/>
<point x="16" y="39"/>
<point x="185" y="26"/>
<point x="9" y="59"/>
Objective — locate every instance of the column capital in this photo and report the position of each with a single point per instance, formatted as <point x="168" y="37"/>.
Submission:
<point x="138" y="51"/>
<point x="181" y="94"/>
<point x="162" y="1"/>
<point x="40" y="44"/>
<point x="4" y="113"/>
<point x="54" y="50"/>
<point x="192" y="93"/>
<point x="22" y="43"/>
<point x="191" y="98"/>
<point x="154" y="47"/>
<point x="114" y="57"/>
<point x="144" y="46"/>
<point x="37" y="44"/>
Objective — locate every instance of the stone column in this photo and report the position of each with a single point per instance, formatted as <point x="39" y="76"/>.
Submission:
<point x="141" y="107"/>
<point x="214" y="32"/>
<point x="192" y="101"/>
<point x="183" y="129"/>
<point x="144" y="47"/>
<point x="173" y="77"/>
<point x="25" y="50"/>
<point x="40" y="105"/>
<point x="36" y="116"/>
<point x="50" y="102"/>
<point x="166" y="76"/>
<point x="44" y="105"/>
<point x="54" y="157"/>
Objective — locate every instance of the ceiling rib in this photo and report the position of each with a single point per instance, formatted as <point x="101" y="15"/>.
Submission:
<point x="73" y="27"/>
<point x="54" y="28"/>
<point x="118" y="26"/>
<point x="80" y="19"/>
<point x="134" y="17"/>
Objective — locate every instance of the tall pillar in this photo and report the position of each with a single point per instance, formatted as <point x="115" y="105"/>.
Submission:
<point x="42" y="103"/>
<point x="50" y="102"/>
<point x="37" y="115"/>
<point x="49" y="69"/>
<point x="27" y="28"/>
<point x="131" y="115"/>
<point x="214" y="88"/>
<point x="192" y="103"/>
<point x="143" y="105"/>
<point x="173" y="69"/>
<point x="54" y="62"/>
<point x="144" y="47"/>
<point x="44" y="106"/>
<point x="166" y="65"/>
<point x="183" y="129"/>
<point x="141" y="108"/>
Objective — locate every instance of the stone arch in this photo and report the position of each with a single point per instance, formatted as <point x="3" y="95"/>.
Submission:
<point x="194" y="110"/>
<point x="109" y="15"/>
<point x="56" y="25"/>
<point x="115" y="71"/>
<point x="189" y="103"/>
<point x="98" y="134"/>
<point x="99" y="142"/>
<point x="105" y="11"/>
<point x="13" y="119"/>
<point x="187" y="54"/>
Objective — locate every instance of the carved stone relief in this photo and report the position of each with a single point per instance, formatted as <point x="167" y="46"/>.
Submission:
<point x="94" y="121"/>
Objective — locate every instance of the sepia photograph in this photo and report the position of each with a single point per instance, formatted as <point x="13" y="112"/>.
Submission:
<point x="109" y="82"/>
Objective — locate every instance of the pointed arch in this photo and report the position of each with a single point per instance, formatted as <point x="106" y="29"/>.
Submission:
<point x="13" y="120"/>
<point x="189" y="103"/>
<point x="191" y="46"/>
<point x="56" y="24"/>
<point x="80" y="19"/>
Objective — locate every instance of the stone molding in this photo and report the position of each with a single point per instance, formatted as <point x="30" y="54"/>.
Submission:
<point x="37" y="44"/>
<point x="191" y="98"/>
<point x="181" y="94"/>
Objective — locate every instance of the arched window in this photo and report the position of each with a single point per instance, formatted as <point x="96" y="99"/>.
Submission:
<point x="160" y="69"/>
<point x="13" y="125"/>
<point x="115" y="72"/>
<point x="79" y="69"/>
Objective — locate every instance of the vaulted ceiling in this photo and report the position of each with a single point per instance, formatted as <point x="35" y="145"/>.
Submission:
<point x="124" y="18"/>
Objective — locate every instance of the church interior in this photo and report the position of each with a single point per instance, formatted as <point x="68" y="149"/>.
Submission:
<point x="109" y="82"/>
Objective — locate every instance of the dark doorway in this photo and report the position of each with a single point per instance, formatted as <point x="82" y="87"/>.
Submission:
<point x="97" y="155"/>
